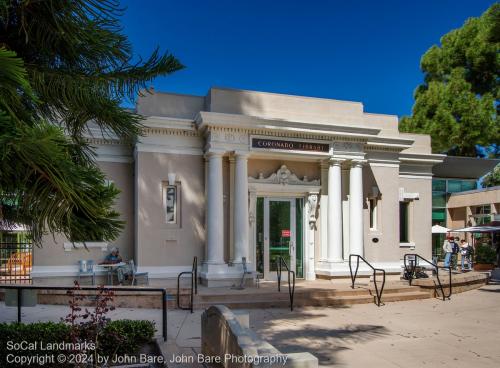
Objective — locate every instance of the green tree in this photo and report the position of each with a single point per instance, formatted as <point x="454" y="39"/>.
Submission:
<point x="458" y="103"/>
<point x="64" y="64"/>
<point x="492" y="179"/>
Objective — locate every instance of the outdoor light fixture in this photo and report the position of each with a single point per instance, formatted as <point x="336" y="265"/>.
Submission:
<point x="171" y="178"/>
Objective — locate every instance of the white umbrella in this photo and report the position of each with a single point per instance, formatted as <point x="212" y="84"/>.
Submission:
<point x="438" y="229"/>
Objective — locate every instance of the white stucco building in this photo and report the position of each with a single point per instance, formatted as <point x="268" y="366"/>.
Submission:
<point x="242" y="174"/>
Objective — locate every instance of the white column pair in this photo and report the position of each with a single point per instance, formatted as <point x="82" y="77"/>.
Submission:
<point x="334" y="249"/>
<point x="215" y="210"/>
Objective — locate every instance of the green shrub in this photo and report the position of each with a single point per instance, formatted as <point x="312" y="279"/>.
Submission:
<point x="485" y="254"/>
<point x="125" y="336"/>
<point x="118" y="337"/>
<point x="41" y="333"/>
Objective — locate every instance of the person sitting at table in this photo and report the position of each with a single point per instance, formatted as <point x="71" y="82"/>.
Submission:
<point x="113" y="257"/>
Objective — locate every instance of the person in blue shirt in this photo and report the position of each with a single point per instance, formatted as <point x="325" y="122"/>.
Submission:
<point x="113" y="257"/>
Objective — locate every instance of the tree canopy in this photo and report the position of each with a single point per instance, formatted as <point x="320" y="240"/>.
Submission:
<point x="492" y="179"/>
<point x="458" y="102"/>
<point x="64" y="64"/>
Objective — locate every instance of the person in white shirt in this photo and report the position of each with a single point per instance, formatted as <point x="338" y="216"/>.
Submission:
<point x="448" y="250"/>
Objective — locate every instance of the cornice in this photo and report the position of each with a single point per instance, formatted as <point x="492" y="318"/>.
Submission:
<point x="170" y="131"/>
<point x="162" y="122"/>
<point x="104" y="142"/>
<point x="206" y="119"/>
<point x="421" y="158"/>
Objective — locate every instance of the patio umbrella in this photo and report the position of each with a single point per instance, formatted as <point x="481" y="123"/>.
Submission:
<point x="438" y="229"/>
<point x="491" y="227"/>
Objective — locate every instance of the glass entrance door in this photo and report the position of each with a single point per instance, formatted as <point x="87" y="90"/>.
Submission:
<point x="279" y="234"/>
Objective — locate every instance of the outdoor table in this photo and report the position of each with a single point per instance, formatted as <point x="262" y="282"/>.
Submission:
<point x="110" y="268"/>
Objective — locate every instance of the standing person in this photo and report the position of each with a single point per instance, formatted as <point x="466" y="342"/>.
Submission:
<point x="464" y="253"/>
<point x="447" y="249"/>
<point x="470" y="256"/>
<point x="454" y="253"/>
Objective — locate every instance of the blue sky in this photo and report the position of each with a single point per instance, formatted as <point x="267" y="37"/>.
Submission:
<point x="366" y="51"/>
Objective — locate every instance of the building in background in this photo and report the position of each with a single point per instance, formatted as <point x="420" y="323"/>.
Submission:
<point x="454" y="192"/>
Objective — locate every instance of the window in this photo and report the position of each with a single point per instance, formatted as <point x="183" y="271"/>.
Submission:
<point x="483" y="210"/>
<point x="170" y="203"/>
<point x="404" y="222"/>
<point x="438" y="185"/>
<point x="439" y="199"/>
<point x="439" y="216"/>
<point x="373" y="214"/>
<point x="482" y="214"/>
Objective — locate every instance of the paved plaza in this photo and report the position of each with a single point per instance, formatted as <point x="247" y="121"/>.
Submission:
<point x="463" y="332"/>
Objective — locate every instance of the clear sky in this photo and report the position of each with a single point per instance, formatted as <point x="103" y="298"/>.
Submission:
<point x="367" y="51"/>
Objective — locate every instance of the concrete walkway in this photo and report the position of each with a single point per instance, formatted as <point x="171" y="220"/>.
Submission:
<point x="463" y="332"/>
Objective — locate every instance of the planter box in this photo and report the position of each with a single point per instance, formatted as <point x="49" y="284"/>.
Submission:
<point x="483" y="266"/>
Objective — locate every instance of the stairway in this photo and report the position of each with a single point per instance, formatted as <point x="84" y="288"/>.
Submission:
<point x="256" y="298"/>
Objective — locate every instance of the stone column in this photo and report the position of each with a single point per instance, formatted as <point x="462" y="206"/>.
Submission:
<point x="356" y="229"/>
<point x="241" y="208"/>
<point x="335" y="211"/>
<point x="323" y="212"/>
<point x="231" y="206"/>
<point x="215" y="211"/>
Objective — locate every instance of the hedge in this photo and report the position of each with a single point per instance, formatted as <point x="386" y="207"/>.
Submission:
<point x="118" y="337"/>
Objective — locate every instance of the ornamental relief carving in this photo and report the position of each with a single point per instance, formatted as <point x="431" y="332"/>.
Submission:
<point x="312" y="206"/>
<point x="284" y="177"/>
<point x="222" y="136"/>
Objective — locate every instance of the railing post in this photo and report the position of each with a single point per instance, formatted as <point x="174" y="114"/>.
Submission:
<point x="19" y="304"/>
<point x="278" y="273"/>
<point x="192" y="290"/>
<point x="196" y="275"/>
<point x="164" y="314"/>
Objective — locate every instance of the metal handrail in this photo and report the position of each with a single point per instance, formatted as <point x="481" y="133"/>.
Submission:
<point x="194" y="285"/>
<point x="163" y="292"/>
<point x="353" y="277"/>
<point x="413" y="265"/>
<point x="291" y="286"/>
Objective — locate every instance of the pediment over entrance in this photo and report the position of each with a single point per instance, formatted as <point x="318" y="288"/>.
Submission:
<point x="284" y="177"/>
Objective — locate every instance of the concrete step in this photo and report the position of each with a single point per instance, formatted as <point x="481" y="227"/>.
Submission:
<point x="301" y="301"/>
<point x="253" y="294"/>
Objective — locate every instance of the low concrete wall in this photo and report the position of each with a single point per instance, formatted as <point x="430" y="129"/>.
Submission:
<point x="460" y="283"/>
<point x="227" y="339"/>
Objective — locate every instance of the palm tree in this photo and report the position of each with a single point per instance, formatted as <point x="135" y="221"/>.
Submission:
<point x="64" y="64"/>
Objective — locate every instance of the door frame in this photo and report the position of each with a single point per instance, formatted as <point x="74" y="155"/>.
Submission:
<point x="271" y="275"/>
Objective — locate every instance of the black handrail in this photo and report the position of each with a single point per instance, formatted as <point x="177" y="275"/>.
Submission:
<point x="194" y="285"/>
<point x="410" y="271"/>
<point x="20" y="289"/>
<point x="353" y="277"/>
<point x="291" y="286"/>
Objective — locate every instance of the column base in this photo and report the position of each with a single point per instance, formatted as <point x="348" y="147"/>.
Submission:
<point x="223" y="275"/>
<point x="311" y="276"/>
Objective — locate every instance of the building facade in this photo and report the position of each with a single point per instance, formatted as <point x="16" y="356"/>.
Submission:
<point x="250" y="175"/>
<point x="455" y="199"/>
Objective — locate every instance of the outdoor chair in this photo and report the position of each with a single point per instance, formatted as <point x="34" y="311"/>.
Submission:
<point x="136" y="275"/>
<point x="86" y="269"/>
<point x="129" y="272"/>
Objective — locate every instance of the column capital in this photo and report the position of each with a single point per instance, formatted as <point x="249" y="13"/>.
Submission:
<point x="214" y="153"/>
<point x="358" y="162"/>
<point x="333" y="161"/>
<point x="241" y="154"/>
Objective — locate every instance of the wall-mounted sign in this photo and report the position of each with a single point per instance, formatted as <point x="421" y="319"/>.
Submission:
<point x="285" y="233"/>
<point x="279" y="144"/>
